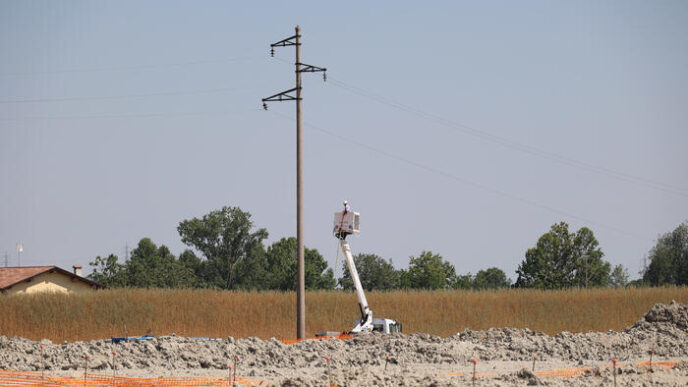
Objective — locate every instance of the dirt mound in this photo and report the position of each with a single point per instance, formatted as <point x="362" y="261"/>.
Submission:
<point x="415" y="359"/>
<point x="663" y="316"/>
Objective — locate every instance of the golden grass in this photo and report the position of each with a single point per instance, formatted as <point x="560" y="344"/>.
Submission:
<point x="212" y="313"/>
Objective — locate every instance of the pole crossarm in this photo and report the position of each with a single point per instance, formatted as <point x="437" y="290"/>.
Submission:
<point x="290" y="41"/>
<point x="283" y="96"/>
<point x="310" y="68"/>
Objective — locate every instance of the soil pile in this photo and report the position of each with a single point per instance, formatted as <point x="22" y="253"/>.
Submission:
<point x="375" y="359"/>
<point x="663" y="317"/>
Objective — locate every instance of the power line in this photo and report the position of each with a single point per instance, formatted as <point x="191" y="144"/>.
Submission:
<point x="131" y="67"/>
<point x="471" y="183"/>
<point x="94" y="98"/>
<point x="143" y="115"/>
<point x="483" y="135"/>
<point x="378" y="98"/>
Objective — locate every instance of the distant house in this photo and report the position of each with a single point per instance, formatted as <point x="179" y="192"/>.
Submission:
<point x="36" y="279"/>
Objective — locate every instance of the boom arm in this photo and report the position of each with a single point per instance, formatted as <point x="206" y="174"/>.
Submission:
<point x="366" y="322"/>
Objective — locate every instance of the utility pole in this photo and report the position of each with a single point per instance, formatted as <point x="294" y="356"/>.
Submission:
<point x="295" y="40"/>
<point x="5" y="258"/>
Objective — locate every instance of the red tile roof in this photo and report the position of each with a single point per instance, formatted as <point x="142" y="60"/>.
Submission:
<point x="10" y="276"/>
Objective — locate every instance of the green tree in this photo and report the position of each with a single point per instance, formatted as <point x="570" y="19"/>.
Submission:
<point x="252" y="273"/>
<point x="108" y="272"/>
<point x="430" y="271"/>
<point x="492" y="278"/>
<point x="375" y="273"/>
<point x="619" y="277"/>
<point x="669" y="259"/>
<point x="142" y="268"/>
<point x="281" y="267"/>
<point x="561" y="259"/>
<point x="463" y="282"/>
<point x="153" y="266"/>
<point x="404" y="279"/>
<point x="590" y="269"/>
<point x="226" y="238"/>
<point x="197" y="266"/>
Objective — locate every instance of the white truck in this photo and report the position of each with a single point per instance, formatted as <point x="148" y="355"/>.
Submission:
<point x="346" y="223"/>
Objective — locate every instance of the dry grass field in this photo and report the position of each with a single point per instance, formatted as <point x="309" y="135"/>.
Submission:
<point x="213" y="313"/>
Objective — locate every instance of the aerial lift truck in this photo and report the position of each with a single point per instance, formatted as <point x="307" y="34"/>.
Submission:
<point x="346" y="222"/>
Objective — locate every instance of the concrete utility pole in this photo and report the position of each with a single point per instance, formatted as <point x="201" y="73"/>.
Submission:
<point x="285" y="96"/>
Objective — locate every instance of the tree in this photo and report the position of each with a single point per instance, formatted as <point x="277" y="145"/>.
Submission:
<point x="590" y="269"/>
<point x="430" y="271"/>
<point x="281" y="267"/>
<point x="404" y="279"/>
<point x="149" y="266"/>
<point x="252" y="273"/>
<point x="225" y="238"/>
<point x="492" y="278"/>
<point x="619" y="277"/>
<point x="153" y="266"/>
<point x="108" y="272"/>
<point x="463" y="282"/>
<point x="561" y="259"/>
<point x="375" y="273"/>
<point x="669" y="259"/>
<point x="198" y="267"/>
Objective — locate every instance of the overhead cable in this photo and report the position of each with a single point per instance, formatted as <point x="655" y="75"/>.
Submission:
<point x="486" y="136"/>
<point x="142" y="115"/>
<point x="94" y="98"/>
<point x="465" y="181"/>
<point x="125" y="68"/>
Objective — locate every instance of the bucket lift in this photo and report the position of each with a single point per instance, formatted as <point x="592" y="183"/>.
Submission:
<point x="347" y="222"/>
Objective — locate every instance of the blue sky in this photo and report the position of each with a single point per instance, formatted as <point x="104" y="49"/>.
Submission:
<point x="465" y="128"/>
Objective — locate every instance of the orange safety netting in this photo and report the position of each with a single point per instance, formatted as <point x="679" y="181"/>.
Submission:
<point x="570" y="372"/>
<point x="343" y="336"/>
<point x="665" y="364"/>
<point x="17" y="378"/>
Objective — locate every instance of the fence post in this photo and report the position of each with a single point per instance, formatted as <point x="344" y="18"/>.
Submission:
<point x="42" y="363"/>
<point x="114" y="365"/>
<point x="329" y="376"/>
<point x="614" y="367"/>
<point x="475" y="362"/>
<point x="234" y="376"/>
<point x="85" y="367"/>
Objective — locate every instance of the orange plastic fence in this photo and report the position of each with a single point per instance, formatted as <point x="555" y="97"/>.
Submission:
<point x="570" y="372"/>
<point x="17" y="378"/>
<point x="664" y="364"/>
<point x="343" y="336"/>
<point x="37" y="379"/>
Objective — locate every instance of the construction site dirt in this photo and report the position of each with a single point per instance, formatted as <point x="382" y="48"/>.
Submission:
<point x="651" y="352"/>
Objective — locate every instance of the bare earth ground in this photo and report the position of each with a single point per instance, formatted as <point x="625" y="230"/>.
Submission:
<point x="504" y="357"/>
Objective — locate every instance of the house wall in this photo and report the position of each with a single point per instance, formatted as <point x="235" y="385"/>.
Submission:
<point x="50" y="282"/>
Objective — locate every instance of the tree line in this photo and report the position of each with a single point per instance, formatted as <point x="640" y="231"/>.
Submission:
<point x="226" y="251"/>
